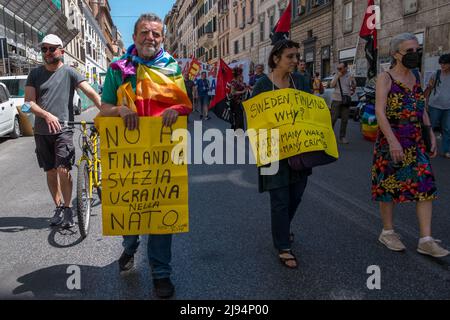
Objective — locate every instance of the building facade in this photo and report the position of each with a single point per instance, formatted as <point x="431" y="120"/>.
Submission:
<point x="269" y="12"/>
<point x="312" y="27"/>
<point x="95" y="45"/>
<point x="74" y="50"/>
<point x="428" y="20"/>
<point x="327" y="30"/>
<point x="185" y="26"/>
<point x="223" y="8"/>
<point x="23" y="24"/>
<point x="243" y="30"/>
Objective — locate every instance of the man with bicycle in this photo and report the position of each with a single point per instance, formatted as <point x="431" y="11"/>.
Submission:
<point x="146" y="52"/>
<point x="49" y="93"/>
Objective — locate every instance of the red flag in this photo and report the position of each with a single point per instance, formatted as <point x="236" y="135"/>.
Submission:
<point x="220" y="102"/>
<point x="283" y="26"/>
<point x="369" y="33"/>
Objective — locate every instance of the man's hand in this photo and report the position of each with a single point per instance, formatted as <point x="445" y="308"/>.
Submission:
<point x="130" y="118"/>
<point x="169" y="117"/>
<point x="53" y="123"/>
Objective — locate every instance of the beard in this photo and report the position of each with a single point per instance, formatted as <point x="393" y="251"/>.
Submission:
<point x="147" y="51"/>
<point x="52" y="60"/>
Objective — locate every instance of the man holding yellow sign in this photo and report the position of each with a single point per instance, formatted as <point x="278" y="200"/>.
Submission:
<point x="299" y="123"/>
<point x="147" y="193"/>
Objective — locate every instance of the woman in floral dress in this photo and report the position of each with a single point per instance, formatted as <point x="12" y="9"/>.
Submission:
<point x="401" y="170"/>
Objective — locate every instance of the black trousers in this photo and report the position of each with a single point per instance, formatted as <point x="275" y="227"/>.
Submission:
<point x="284" y="203"/>
<point x="238" y="115"/>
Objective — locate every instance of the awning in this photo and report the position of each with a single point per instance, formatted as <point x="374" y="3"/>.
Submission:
<point x="42" y="15"/>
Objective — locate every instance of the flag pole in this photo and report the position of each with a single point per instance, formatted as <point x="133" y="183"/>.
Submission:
<point x="356" y="53"/>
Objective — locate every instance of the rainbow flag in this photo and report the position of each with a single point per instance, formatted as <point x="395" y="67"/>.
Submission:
<point x="159" y="85"/>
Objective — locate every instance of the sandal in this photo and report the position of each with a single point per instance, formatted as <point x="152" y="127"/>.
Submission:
<point x="286" y="256"/>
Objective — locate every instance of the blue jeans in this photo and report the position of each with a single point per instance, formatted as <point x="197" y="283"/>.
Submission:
<point x="204" y="102"/>
<point x="441" y="118"/>
<point x="284" y="203"/>
<point x="159" y="249"/>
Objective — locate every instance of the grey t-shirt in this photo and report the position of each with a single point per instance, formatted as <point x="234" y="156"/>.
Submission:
<point x="54" y="93"/>
<point x="347" y="82"/>
<point x="441" y="99"/>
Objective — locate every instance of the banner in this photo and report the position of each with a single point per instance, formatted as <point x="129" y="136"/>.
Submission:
<point x="303" y="121"/>
<point x="143" y="190"/>
<point x="198" y="67"/>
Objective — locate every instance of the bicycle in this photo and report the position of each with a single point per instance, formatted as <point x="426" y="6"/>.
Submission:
<point x="89" y="173"/>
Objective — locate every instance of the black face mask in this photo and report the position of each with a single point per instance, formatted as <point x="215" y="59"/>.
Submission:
<point x="411" y="60"/>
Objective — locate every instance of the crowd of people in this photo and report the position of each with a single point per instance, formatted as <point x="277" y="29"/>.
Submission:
<point x="401" y="170"/>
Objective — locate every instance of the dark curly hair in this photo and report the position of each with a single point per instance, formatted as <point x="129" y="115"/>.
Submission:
<point x="444" y="59"/>
<point x="237" y="71"/>
<point x="278" y="49"/>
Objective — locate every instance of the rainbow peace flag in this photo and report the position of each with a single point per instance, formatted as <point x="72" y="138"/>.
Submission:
<point x="159" y="85"/>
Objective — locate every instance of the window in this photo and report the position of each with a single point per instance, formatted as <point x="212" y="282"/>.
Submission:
<point x="261" y="31"/>
<point x="3" y="95"/>
<point x="236" y="20"/>
<point x="243" y="43"/>
<point x="348" y="17"/>
<point x="271" y="22"/>
<point x="236" y="47"/>
<point x="252" y="40"/>
<point x="243" y="15"/>
<point x="252" y="9"/>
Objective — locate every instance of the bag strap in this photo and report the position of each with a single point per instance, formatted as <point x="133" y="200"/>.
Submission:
<point x="437" y="81"/>
<point x="340" y="89"/>
<point x="417" y="75"/>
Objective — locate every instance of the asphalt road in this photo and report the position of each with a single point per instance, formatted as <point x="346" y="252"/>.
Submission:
<point x="228" y="253"/>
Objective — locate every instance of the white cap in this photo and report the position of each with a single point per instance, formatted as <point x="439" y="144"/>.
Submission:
<point x="52" y="39"/>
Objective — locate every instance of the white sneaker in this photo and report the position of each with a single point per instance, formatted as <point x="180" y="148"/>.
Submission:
<point x="392" y="241"/>
<point x="432" y="248"/>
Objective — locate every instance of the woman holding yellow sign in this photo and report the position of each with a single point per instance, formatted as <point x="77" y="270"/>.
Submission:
<point x="286" y="187"/>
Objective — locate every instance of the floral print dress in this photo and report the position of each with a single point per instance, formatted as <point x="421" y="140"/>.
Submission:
<point x="412" y="179"/>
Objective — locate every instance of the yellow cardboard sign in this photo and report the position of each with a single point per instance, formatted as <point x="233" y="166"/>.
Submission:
<point x="144" y="177"/>
<point x="303" y="121"/>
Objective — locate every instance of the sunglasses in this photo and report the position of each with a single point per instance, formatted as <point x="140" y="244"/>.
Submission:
<point x="51" y="49"/>
<point x="412" y="50"/>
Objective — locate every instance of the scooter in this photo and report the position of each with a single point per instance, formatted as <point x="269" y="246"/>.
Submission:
<point x="365" y="114"/>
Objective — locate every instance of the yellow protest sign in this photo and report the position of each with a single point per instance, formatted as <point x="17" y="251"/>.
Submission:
<point x="303" y="121"/>
<point x="144" y="177"/>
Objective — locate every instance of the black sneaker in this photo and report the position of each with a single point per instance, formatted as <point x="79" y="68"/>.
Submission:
<point x="163" y="288"/>
<point x="68" y="219"/>
<point x="126" y="262"/>
<point x="57" y="216"/>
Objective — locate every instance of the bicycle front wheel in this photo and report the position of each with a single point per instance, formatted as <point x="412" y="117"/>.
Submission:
<point x="83" y="198"/>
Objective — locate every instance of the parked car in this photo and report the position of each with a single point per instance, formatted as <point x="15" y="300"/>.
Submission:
<point x="9" y="116"/>
<point x="16" y="86"/>
<point x="360" y="83"/>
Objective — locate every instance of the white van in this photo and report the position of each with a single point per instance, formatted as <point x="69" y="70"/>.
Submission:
<point x="9" y="116"/>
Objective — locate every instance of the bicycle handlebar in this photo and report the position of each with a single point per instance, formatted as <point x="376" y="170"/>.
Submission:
<point x="75" y="122"/>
